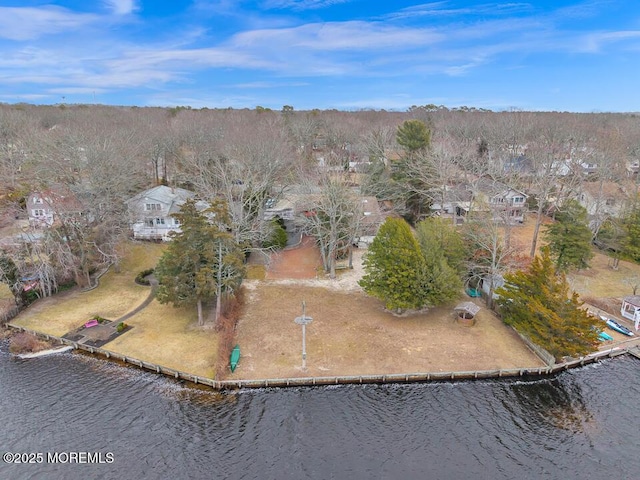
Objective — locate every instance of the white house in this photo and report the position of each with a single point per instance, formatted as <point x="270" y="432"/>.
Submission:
<point x="504" y="202"/>
<point x="631" y="309"/>
<point x="46" y="207"/>
<point x="40" y="210"/>
<point x="150" y="212"/>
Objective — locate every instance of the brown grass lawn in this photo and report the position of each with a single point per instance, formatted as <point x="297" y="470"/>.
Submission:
<point x="351" y="334"/>
<point x="169" y="337"/>
<point x="116" y="295"/>
<point x="6" y="297"/>
<point x="161" y="334"/>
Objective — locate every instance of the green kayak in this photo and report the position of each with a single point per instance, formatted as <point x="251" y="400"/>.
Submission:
<point x="235" y="357"/>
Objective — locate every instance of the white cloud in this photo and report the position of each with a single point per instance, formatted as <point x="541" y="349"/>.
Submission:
<point x="301" y="4"/>
<point x="121" y="7"/>
<point x="29" y="23"/>
<point x="351" y="35"/>
<point x="595" y="42"/>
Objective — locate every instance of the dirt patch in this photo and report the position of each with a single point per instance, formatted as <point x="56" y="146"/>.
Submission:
<point x="299" y="262"/>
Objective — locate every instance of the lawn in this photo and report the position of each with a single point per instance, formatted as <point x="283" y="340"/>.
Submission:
<point x="352" y="334"/>
<point x="116" y="295"/>
<point x="161" y="334"/>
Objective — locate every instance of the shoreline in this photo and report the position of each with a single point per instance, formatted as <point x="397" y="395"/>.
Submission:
<point x="633" y="348"/>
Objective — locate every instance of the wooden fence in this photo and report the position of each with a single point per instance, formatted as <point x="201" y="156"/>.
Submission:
<point x="336" y="380"/>
<point x="542" y="354"/>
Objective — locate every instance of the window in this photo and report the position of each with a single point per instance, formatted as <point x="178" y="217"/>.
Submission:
<point x="148" y="222"/>
<point x="159" y="221"/>
<point x="518" y="199"/>
<point x="37" y="200"/>
<point x="149" y="207"/>
<point x="610" y="202"/>
<point x="38" y="212"/>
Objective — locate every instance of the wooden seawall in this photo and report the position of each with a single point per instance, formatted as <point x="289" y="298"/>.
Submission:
<point x="632" y="349"/>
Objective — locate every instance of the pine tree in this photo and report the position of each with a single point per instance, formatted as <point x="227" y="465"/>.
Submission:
<point x="570" y="238"/>
<point x="631" y="240"/>
<point x="443" y="251"/>
<point x="202" y="261"/>
<point x="413" y="136"/>
<point x="393" y="266"/>
<point x="537" y="303"/>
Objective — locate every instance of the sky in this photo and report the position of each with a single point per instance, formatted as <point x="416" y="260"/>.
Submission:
<point x="578" y="56"/>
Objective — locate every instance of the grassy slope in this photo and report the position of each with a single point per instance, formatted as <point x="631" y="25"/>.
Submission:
<point x="161" y="334"/>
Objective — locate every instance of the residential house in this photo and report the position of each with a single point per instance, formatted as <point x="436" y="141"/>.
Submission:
<point x="40" y="210"/>
<point x="293" y="207"/>
<point x="603" y="199"/>
<point x="151" y="211"/>
<point x="46" y="207"/>
<point x="452" y="201"/>
<point x="504" y="202"/>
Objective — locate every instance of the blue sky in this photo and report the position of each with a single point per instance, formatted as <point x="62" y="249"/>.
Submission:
<point x="578" y="56"/>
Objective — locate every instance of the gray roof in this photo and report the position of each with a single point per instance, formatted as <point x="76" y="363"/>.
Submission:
<point x="468" y="307"/>
<point x="171" y="196"/>
<point x="633" y="300"/>
<point x="494" y="188"/>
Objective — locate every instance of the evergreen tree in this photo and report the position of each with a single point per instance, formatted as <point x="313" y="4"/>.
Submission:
<point x="9" y="274"/>
<point x="202" y="262"/>
<point x="412" y="171"/>
<point x="570" y="238"/>
<point x="414" y="136"/>
<point x="394" y="266"/>
<point x="631" y="240"/>
<point x="537" y="303"/>
<point x="278" y="237"/>
<point x="440" y="232"/>
<point x="443" y="252"/>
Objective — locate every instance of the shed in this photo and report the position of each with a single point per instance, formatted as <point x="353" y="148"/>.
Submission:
<point x="467" y="312"/>
<point x="631" y="309"/>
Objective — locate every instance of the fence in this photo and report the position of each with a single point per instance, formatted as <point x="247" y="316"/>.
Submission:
<point x="337" y="380"/>
<point x="545" y="356"/>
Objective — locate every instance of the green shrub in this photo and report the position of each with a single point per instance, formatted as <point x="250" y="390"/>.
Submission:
<point x="121" y="326"/>
<point x="141" y="277"/>
<point x="278" y="237"/>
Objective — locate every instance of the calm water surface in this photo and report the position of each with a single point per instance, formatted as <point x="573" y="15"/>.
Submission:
<point x="582" y="424"/>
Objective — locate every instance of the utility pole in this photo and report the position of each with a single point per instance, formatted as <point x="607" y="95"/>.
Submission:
<point x="304" y="320"/>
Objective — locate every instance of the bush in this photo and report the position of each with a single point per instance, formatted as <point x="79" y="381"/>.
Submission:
<point x="99" y="319"/>
<point x="25" y="342"/>
<point x="141" y="277"/>
<point x="278" y="237"/>
<point x="121" y="326"/>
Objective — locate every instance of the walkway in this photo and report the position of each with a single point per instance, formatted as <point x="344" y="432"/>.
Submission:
<point x="103" y="333"/>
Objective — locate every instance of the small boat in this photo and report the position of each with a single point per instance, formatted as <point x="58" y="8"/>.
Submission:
<point x="234" y="358"/>
<point x="613" y="325"/>
<point x="473" y="293"/>
<point x="604" y="337"/>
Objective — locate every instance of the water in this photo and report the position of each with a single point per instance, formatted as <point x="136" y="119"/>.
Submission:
<point x="581" y="424"/>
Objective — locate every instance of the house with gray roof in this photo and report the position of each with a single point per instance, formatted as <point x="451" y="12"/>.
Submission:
<point x="151" y="212"/>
